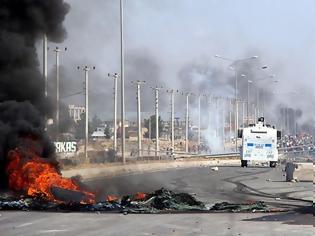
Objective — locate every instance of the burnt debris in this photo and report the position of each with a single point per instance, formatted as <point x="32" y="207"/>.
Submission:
<point x="160" y="201"/>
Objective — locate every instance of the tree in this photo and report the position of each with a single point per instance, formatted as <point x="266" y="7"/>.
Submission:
<point x="94" y="123"/>
<point x="80" y="126"/>
<point x="108" y="132"/>
<point x="146" y="124"/>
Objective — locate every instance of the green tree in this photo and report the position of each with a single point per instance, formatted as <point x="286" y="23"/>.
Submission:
<point x="108" y="132"/>
<point x="153" y="122"/>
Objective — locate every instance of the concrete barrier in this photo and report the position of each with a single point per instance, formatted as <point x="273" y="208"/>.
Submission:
<point x="297" y="171"/>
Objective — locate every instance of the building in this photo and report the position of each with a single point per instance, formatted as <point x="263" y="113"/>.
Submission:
<point x="75" y="112"/>
<point x="99" y="133"/>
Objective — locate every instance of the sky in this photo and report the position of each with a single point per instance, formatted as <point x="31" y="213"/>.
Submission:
<point x="172" y="43"/>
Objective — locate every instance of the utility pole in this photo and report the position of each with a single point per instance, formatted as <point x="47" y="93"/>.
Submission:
<point x="86" y="76"/>
<point x="150" y="129"/>
<point x="230" y="118"/>
<point x="236" y="124"/>
<point x="45" y="48"/>
<point x="236" y="109"/>
<point x="45" y="63"/>
<point x="199" y="118"/>
<point x="223" y="122"/>
<point x="172" y="91"/>
<point x="187" y="122"/>
<point x="57" y="51"/>
<point x="122" y="76"/>
<point x="115" y="77"/>
<point x="156" y="89"/>
<point x="138" y="84"/>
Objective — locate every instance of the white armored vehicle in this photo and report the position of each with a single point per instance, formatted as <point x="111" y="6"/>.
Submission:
<point x="259" y="143"/>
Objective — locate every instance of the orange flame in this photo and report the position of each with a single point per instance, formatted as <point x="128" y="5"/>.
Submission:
<point x="112" y="198"/>
<point x="29" y="173"/>
<point x="139" y="196"/>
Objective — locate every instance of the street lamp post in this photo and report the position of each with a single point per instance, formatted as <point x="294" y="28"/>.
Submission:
<point x="199" y="118"/>
<point x="209" y="109"/>
<point x="223" y="121"/>
<point x="115" y="77"/>
<point x="243" y="113"/>
<point x="260" y="95"/>
<point x="122" y="81"/>
<point x="216" y="116"/>
<point x="172" y="121"/>
<point x="248" y="99"/>
<point x="257" y="102"/>
<point x="236" y="62"/>
<point x="259" y="106"/>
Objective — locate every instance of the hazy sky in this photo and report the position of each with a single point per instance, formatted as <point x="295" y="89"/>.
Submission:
<point x="166" y="40"/>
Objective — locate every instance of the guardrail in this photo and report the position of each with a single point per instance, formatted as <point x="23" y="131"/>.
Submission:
<point x="171" y="153"/>
<point x="230" y="154"/>
<point x="183" y="155"/>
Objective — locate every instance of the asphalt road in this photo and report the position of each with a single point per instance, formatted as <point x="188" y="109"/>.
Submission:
<point x="232" y="184"/>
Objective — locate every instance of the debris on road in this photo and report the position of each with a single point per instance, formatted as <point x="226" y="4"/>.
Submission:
<point x="159" y="201"/>
<point x="215" y="168"/>
<point x="245" y="207"/>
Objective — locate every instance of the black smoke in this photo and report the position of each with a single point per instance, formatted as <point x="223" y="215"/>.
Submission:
<point x="142" y="65"/>
<point x="23" y="105"/>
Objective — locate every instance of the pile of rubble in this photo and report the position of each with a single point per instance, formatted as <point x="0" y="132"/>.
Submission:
<point x="160" y="201"/>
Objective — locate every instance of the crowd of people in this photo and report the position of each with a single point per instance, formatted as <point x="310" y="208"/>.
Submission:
<point x="296" y="140"/>
<point x="301" y="142"/>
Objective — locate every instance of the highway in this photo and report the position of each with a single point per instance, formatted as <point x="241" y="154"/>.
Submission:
<point x="233" y="184"/>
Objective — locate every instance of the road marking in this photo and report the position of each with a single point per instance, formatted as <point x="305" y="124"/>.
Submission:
<point x="53" y="231"/>
<point x="23" y="225"/>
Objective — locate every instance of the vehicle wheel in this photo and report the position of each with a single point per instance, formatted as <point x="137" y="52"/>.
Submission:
<point x="272" y="164"/>
<point x="243" y="163"/>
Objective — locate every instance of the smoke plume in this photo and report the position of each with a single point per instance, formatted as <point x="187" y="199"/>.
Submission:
<point x="22" y="101"/>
